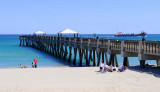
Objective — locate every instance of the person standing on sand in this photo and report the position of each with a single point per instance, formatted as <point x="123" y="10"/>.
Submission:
<point x="35" y="61"/>
<point x="101" y="66"/>
<point x="32" y="65"/>
<point x="35" y="65"/>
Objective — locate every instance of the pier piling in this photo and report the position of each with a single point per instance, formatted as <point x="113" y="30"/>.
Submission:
<point x="125" y="62"/>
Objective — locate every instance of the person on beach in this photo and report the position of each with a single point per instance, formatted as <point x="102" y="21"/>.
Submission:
<point x="114" y="68"/>
<point x="22" y="66"/>
<point x="122" y="69"/>
<point x="101" y="66"/>
<point x="35" y="65"/>
<point x="32" y="65"/>
<point x="105" y="68"/>
<point x="110" y="69"/>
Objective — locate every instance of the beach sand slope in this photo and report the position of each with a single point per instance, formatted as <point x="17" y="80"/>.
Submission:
<point x="76" y="79"/>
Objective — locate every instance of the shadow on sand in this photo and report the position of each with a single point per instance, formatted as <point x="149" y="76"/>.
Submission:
<point x="151" y="69"/>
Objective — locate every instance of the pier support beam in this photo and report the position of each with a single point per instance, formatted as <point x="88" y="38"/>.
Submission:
<point x="48" y="50"/>
<point x="82" y="53"/>
<point x="45" y="47"/>
<point x="23" y="42"/>
<point x="113" y="60"/>
<point x="86" y="57"/>
<point x="98" y="57"/>
<point x="90" y="57"/>
<point x="55" y="50"/>
<point x="20" y="42"/>
<point x="106" y="58"/>
<point x="58" y="49"/>
<point x="94" y="62"/>
<point x="61" y="50"/>
<point x="32" y="44"/>
<point x="27" y="42"/>
<point x="75" y="55"/>
<point x="142" y="63"/>
<point x="80" y="57"/>
<point x="115" y="57"/>
<point x="103" y="55"/>
<point x="52" y="53"/>
<point x="158" y="62"/>
<point x="65" y="53"/>
<point x="51" y="49"/>
<point x="125" y="62"/>
<point x="70" y="54"/>
<point x="98" y="52"/>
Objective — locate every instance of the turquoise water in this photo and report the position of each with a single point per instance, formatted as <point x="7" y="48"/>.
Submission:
<point x="11" y="54"/>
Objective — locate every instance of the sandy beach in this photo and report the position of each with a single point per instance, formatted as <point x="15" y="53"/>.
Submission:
<point x="76" y="79"/>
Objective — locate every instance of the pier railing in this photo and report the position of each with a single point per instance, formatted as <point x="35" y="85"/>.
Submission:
<point x="131" y="46"/>
<point x="151" y="47"/>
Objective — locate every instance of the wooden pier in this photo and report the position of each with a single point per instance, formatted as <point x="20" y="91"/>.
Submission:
<point x="92" y="50"/>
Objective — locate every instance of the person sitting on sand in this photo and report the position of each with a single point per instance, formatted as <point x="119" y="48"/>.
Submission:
<point x="101" y="66"/>
<point x="110" y="69"/>
<point x="122" y="69"/>
<point x="22" y="66"/>
<point x="114" y="68"/>
<point x="105" y="68"/>
<point x="119" y="69"/>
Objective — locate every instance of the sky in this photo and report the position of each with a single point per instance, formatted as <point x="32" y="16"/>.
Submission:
<point x="83" y="16"/>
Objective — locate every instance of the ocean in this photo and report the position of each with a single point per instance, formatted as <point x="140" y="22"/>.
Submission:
<point x="12" y="55"/>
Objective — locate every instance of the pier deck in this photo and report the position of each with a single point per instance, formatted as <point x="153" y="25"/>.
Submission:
<point x="92" y="48"/>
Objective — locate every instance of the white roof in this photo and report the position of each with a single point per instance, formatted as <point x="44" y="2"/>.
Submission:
<point x="39" y="33"/>
<point x="68" y="31"/>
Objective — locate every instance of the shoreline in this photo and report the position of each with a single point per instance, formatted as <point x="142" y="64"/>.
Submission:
<point x="151" y="65"/>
